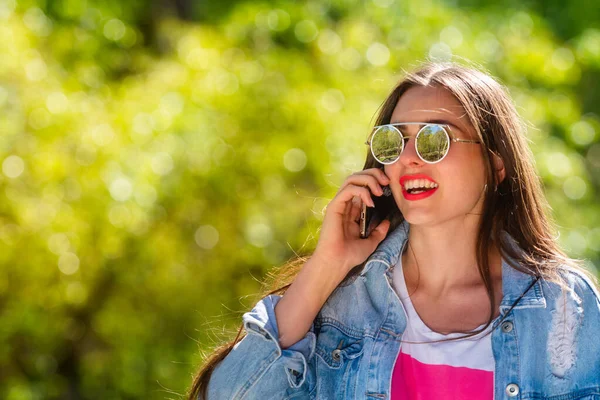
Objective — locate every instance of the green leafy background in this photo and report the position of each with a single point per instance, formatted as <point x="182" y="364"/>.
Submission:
<point x="158" y="158"/>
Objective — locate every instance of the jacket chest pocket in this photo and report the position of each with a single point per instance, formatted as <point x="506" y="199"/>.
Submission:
<point x="335" y="347"/>
<point x="338" y="356"/>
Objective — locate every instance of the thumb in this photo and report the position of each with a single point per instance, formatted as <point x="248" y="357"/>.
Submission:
<point x="380" y="231"/>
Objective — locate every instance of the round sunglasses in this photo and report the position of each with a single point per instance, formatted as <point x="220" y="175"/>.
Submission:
<point x="432" y="142"/>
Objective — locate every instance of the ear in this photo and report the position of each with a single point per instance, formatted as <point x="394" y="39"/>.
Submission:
<point x="498" y="167"/>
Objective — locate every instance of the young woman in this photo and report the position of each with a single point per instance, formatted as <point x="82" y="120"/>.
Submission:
<point x="460" y="293"/>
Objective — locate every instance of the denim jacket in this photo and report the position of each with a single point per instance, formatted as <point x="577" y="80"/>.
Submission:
<point x="547" y="347"/>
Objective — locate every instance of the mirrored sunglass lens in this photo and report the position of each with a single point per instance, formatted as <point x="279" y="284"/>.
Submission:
<point x="386" y="144"/>
<point x="433" y="143"/>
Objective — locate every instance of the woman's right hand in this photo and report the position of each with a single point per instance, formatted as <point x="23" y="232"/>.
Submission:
<point x="338" y="250"/>
<point x="339" y="241"/>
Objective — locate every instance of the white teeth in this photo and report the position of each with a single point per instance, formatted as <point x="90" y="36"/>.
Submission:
<point x="419" y="183"/>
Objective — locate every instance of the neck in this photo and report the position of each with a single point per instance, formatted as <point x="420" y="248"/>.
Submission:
<point x="442" y="259"/>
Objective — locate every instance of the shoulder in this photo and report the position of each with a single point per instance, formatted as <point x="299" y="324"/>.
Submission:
<point x="583" y="283"/>
<point x="580" y="291"/>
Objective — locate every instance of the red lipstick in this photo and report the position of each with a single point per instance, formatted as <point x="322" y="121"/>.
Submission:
<point x="418" y="196"/>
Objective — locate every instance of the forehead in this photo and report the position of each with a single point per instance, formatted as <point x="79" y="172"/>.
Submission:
<point x="427" y="103"/>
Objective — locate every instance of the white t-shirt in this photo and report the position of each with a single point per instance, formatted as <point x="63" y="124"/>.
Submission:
<point x="458" y="369"/>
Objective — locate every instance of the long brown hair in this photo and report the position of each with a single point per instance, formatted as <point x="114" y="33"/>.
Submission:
<point x="516" y="205"/>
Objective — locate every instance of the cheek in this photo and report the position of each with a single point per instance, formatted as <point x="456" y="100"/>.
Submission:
<point x="391" y="172"/>
<point x="466" y="177"/>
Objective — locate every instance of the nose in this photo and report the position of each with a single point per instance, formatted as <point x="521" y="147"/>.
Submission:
<point x="409" y="156"/>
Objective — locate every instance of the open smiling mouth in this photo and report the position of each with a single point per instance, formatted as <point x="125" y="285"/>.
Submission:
<point x="417" y="189"/>
<point x="419" y="186"/>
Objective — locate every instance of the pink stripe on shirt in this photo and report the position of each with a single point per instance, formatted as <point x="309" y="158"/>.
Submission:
<point x="414" y="380"/>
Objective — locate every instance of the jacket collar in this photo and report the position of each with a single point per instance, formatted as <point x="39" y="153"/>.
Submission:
<point x="514" y="282"/>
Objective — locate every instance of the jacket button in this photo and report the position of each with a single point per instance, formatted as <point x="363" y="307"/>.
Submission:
<point x="336" y="354"/>
<point x="512" y="390"/>
<point x="507" y="326"/>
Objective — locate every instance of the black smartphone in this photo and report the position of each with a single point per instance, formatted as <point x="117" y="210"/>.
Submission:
<point x="370" y="217"/>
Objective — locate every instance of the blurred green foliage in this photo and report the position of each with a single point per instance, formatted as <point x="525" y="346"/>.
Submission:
<point x="156" y="162"/>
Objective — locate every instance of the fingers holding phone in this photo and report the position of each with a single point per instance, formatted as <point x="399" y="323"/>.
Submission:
<point x="374" y="179"/>
<point x="340" y="240"/>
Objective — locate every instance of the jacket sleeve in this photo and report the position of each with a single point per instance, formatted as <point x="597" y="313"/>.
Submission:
<point x="257" y="367"/>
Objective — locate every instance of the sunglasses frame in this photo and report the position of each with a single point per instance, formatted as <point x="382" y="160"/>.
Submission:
<point x="403" y="139"/>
